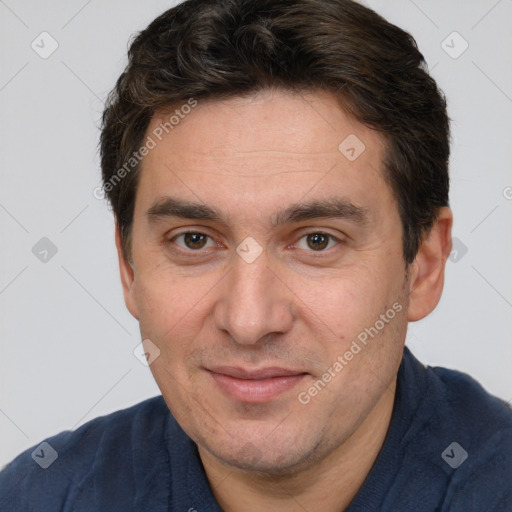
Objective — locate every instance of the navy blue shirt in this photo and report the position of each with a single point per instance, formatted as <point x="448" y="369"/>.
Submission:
<point x="448" y="448"/>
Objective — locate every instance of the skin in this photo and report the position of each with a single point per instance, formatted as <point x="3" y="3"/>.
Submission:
<point x="299" y="305"/>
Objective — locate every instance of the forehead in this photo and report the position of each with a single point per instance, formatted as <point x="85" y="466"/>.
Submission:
<point x="274" y="146"/>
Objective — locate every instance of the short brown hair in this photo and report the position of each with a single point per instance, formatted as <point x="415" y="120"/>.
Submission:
<point x="208" y="49"/>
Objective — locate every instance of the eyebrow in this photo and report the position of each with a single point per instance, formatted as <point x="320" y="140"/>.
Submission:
<point x="334" y="207"/>
<point x="171" y="207"/>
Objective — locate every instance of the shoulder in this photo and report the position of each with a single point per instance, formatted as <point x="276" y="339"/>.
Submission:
<point x="52" y="474"/>
<point x="468" y="408"/>
<point x="473" y="432"/>
<point x="449" y="446"/>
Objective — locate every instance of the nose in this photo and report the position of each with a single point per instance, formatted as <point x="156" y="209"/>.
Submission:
<point x="254" y="302"/>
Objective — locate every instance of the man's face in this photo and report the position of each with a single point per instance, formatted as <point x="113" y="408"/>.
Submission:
<point x="270" y="287"/>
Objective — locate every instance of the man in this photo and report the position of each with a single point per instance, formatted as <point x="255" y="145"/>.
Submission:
<point x="278" y="175"/>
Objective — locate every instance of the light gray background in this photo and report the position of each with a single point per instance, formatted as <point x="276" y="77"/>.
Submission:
<point x="66" y="337"/>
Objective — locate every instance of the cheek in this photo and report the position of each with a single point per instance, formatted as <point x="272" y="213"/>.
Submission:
<point x="344" y="314"/>
<point x="343" y="303"/>
<point x="171" y="309"/>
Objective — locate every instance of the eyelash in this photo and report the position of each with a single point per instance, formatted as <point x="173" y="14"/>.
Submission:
<point x="199" y="251"/>
<point x="173" y="239"/>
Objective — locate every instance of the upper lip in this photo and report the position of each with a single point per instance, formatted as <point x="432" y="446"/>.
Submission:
<point x="262" y="373"/>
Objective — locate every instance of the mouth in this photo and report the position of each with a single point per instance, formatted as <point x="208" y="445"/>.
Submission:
<point x="255" y="386"/>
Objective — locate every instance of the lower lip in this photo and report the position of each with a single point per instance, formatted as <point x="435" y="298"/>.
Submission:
<point x="258" y="390"/>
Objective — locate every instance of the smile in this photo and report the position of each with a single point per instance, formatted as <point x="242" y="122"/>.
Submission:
<point x="259" y="386"/>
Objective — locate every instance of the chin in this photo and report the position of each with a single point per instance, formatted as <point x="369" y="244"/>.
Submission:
<point x="272" y="453"/>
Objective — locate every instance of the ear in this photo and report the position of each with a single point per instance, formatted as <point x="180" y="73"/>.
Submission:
<point x="127" y="277"/>
<point x="427" y="271"/>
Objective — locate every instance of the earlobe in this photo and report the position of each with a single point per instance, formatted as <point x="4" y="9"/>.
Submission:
<point x="127" y="276"/>
<point x="427" y="271"/>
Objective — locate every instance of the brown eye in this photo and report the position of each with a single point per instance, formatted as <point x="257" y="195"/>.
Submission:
<point x="317" y="241"/>
<point x="193" y="241"/>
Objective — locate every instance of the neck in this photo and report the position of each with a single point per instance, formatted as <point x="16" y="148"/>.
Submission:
<point x="329" y="484"/>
